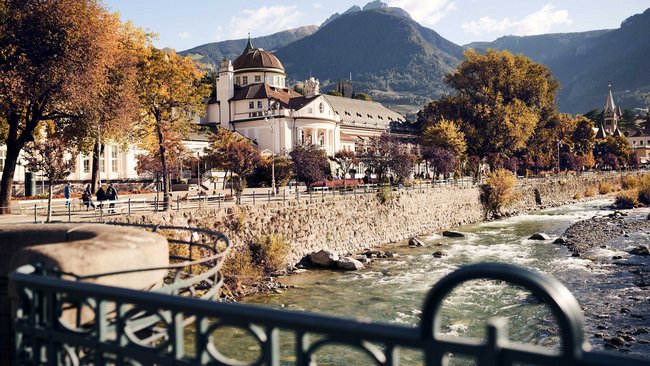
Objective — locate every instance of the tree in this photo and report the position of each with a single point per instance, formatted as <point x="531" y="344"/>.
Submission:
<point x="402" y="165"/>
<point x="335" y="93"/>
<point x="242" y="160"/>
<point x="49" y="155"/>
<point x="215" y="152"/>
<point x="363" y="96"/>
<point x="346" y="159"/>
<point x="583" y="136"/>
<point x="498" y="190"/>
<point x="443" y="161"/>
<point x="616" y="146"/>
<point x="150" y="163"/>
<point x="51" y="55"/>
<point x="611" y="161"/>
<point x="571" y="161"/>
<point x="381" y="154"/>
<point x="171" y="94"/>
<point x="444" y="134"/>
<point x="635" y="160"/>
<point x="500" y="99"/>
<point x="310" y="163"/>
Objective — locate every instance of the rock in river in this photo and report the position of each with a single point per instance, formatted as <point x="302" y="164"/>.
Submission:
<point x="324" y="258"/>
<point x="539" y="236"/>
<point x="640" y="250"/>
<point x="415" y="242"/>
<point x="349" y="263"/>
<point x="453" y="234"/>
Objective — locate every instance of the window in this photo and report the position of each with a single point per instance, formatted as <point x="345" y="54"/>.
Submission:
<point x="258" y="78"/>
<point x="114" y="159"/>
<point x="102" y="162"/>
<point x="85" y="163"/>
<point x="321" y="108"/>
<point x="244" y="80"/>
<point x="251" y="105"/>
<point x="3" y="157"/>
<point x="269" y="79"/>
<point x="237" y="80"/>
<point x="276" y="80"/>
<point x="259" y="104"/>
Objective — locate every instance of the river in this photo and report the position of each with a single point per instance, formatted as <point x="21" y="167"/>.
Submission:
<point x="393" y="290"/>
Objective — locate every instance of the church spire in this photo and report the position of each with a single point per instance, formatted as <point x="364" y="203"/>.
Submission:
<point x="609" y="104"/>
<point x="249" y="45"/>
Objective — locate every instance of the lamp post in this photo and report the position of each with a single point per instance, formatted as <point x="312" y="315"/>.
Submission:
<point x="268" y="116"/>
<point x="198" y="171"/>
<point x="559" y="143"/>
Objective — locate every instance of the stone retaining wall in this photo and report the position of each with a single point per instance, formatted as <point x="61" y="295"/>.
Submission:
<point x="350" y="224"/>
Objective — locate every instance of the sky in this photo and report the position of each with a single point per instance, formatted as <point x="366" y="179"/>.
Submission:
<point x="188" y="23"/>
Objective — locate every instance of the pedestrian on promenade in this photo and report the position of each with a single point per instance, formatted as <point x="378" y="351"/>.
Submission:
<point x="101" y="196"/>
<point x="66" y="193"/>
<point x="111" y="194"/>
<point x="87" y="197"/>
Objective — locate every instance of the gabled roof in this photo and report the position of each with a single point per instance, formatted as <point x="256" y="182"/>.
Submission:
<point x="361" y="113"/>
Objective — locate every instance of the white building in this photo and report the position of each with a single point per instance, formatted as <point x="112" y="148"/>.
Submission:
<point x="252" y="98"/>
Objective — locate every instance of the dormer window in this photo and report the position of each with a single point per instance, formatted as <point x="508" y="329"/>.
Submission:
<point x="258" y="78"/>
<point x="359" y="114"/>
<point x="245" y="80"/>
<point x="369" y="116"/>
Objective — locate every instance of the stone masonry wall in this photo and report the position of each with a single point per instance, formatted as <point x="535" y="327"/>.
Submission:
<point x="350" y="224"/>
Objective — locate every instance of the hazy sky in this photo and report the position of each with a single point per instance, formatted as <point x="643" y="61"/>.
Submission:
<point x="188" y="23"/>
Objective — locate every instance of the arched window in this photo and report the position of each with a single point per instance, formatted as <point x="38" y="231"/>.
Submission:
<point x="321" y="108"/>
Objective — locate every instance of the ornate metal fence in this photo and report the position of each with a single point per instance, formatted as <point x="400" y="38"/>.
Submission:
<point x="186" y="329"/>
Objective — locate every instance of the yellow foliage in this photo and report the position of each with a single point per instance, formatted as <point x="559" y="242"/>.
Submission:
<point x="629" y="182"/>
<point x="627" y="199"/>
<point x="499" y="190"/>
<point x="445" y="134"/>
<point x="605" y="187"/>
<point x="591" y="192"/>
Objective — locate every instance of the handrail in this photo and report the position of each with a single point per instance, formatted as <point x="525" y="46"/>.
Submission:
<point x="39" y="336"/>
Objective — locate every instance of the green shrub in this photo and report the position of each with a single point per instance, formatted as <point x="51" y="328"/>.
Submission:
<point x="498" y="191"/>
<point x="627" y="199"/>
<point x="385" y="194"/>
<point x="270" y="253"/>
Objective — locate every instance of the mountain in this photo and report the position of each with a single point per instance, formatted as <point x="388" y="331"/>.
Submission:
<point x="388" y="54"/>
<point x="211" y="54"/>
<point x="585" y="62"/>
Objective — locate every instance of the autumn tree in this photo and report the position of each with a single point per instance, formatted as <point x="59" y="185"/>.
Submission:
<point x="346" y="159"/>
<point x="150" y="162"/>
<point x="242" y="160"/>
<point x="583" y="137"/>
<point x="171" y="95"/>
<point x="310" y="163"/>
<point x="215" y="152"/>
<point x="612" y="146"/>
<point x="49" y="155"/>
<point x="500" y="99"/>
<point x="442" y="160"/>
<point x="116" y="111"/>
<point x="444" y="134"/>
<point x="382" y="154"/>
<point x="51" y="56"/>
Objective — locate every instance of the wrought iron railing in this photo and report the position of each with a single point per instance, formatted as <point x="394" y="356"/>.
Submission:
<point x="186" y="328"/>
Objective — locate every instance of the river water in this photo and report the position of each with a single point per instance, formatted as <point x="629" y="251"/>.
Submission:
<point x="393" y="290"/>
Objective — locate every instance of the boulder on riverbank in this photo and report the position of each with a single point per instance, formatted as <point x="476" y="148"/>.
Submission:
<point x="324" y="258"/>
<point x="415" y="242"/>
<point x="438" y="254"/>
<point x="539" y="236"/>
<point x="560" y="240"/>
<point x="453" y="234"/>
<point x="640" y="250"/>
<point x="349" y="263"/>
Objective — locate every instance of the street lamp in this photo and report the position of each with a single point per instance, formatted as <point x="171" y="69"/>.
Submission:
<point x="559" y="144"/>
<point x="268" y="116"/>
<point x="198" y="171"/>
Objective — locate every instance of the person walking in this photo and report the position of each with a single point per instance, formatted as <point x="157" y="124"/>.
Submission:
<point x="66" y="193"/>
<point x="87" y="197"/>
<point x="111" y="194"/>
<point x="101" y="197"/>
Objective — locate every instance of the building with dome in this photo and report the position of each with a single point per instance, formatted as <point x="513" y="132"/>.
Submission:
<point x="252" y="98"/>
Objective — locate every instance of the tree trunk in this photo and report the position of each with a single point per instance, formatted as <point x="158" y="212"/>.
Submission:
<point x="98" y="150"/>
<point x="225" y="175"/>
<point x="49" y="200"/>
<point x="6" y="184"/>
<point x="163" y="162"/>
